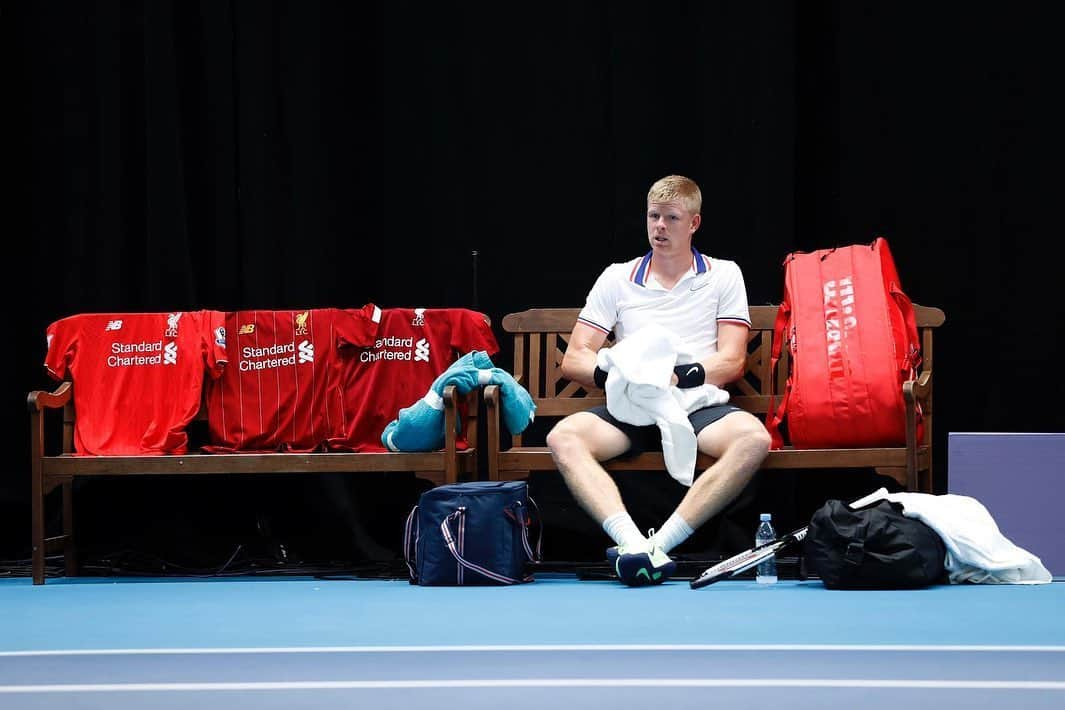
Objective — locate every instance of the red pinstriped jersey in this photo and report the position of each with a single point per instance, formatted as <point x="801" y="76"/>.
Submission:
<point x="138" y="377"/>
<point x="280" y="391"/>
<point x="412" y="348"/>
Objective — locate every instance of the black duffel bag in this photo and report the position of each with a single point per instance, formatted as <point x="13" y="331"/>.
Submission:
<point x="873" y="547"/>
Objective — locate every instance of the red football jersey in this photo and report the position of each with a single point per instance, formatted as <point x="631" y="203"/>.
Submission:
<point x="280" y="391"/>
<point x="413" y="347"/>
<point x="138" y="377"/>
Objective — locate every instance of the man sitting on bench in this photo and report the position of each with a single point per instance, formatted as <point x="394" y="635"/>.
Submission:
<point x="704" y="302"/>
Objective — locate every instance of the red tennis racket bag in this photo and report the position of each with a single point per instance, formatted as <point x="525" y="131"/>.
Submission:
<point x="852" y="340"/>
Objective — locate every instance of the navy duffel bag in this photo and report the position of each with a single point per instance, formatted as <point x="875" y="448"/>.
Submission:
<point x="471" y="534"/>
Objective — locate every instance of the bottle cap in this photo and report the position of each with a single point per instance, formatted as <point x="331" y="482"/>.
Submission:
<point x="765" y="517"/>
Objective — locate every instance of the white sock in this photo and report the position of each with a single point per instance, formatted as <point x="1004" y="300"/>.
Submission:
<point x="675" y="531"/>
<point x="623" y="530"/>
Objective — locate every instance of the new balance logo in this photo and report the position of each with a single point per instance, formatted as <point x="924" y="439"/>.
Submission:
<point x="246" y="329"/>
<point x="170" y="354"/>
<point x="421" y="351"/>
<point x="306" y="352"/>
<point x="114" y="325"/>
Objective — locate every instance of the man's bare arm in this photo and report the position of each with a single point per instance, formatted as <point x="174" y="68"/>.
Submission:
<point x="730" y="360"/>
<point x="578" y="363"/>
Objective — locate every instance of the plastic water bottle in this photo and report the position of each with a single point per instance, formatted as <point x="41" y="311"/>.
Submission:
<point x="766" y="572"/>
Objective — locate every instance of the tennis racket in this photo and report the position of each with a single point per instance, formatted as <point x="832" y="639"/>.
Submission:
<point x="745" y="560"/>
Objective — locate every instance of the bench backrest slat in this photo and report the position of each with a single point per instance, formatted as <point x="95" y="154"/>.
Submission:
<point x="541" y="335"/>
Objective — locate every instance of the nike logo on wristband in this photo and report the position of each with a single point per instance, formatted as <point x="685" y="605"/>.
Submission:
<point x="694" y="369"/>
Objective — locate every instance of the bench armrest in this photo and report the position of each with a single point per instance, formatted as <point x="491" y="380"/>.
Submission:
<point x="918" y="390"/>
<point x="491" y="408"/>
<point x="917" y="394"/>
<point x="39" y="403"/>
<point x="449" y="419"/>
<point x="452" y="398"/>
<point x="39" y="399"/>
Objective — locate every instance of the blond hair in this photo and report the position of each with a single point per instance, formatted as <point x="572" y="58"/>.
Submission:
<point x="677" y="188"/>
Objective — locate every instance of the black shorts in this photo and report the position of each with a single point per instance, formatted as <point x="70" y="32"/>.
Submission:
<point x="649" y="438"/>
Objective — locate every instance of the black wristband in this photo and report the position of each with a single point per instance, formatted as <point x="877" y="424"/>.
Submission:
<point x="690" y="375"/>
<point x="599" y="375"/>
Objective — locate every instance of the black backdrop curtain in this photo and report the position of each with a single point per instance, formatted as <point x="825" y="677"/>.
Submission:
<point x="180" y="155"/>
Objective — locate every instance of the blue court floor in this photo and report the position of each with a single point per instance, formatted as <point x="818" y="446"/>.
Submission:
<point x="303" y="642"/>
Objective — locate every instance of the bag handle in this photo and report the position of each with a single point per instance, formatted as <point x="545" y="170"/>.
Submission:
<point x="540" y="535"/>
<point x="449" y="540"/>
<point x="911" y="359"/>
<point x="775" y="418"/>
<point x="410" y="540"/>
<point x="523" y="521"/>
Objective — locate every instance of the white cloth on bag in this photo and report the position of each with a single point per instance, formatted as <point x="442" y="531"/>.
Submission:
<point x="977" y="551"/>
<point x="638" y="391"/>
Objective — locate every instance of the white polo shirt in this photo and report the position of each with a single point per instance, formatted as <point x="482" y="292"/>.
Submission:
<point x="626" y="297"/>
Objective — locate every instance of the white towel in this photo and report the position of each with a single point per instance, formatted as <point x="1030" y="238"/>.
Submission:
<point x="638" y="391"/>
<point x="977" y="551"/>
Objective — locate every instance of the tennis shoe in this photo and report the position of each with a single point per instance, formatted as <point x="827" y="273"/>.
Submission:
<point x="643" y="565"/>
<point x="612" y="552"/>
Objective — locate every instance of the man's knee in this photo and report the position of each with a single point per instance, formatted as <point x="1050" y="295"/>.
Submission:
<point x="745" y="435"/>
<point x="565" y="439"/>
<point x="756" y="441"/>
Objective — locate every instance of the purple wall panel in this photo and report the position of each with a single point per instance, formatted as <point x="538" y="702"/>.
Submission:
<point x="1020" y="479"/>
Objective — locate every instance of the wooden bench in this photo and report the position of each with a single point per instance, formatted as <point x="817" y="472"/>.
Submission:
<point x="55" y="469"/>
<point x="540" y="337"/>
